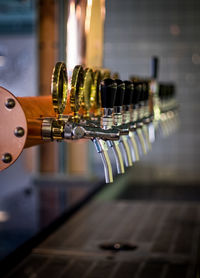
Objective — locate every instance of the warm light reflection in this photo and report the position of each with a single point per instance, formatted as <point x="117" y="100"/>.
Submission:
<point x="103" y="10"/>
<point x="175" y="30"/>
<point x="88" y="16"/>
<point x="4" y="216"/>
<point x="72" y="41"/>
<point x="78" y="12"/>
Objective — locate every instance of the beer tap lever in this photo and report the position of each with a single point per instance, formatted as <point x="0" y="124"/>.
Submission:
<point x="108" y="93"/>
<point x="117" y="121"/>
<point x="146" y="115"/>
<point x="140" y="111"/>
<point x="126" y="121"/>
<point x="132" y="132"/>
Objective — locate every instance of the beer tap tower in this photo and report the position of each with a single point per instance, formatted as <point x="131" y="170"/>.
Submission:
<point x="114" y="114"/>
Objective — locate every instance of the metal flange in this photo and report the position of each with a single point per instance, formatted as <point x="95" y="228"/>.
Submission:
<point x="13" y="130"/>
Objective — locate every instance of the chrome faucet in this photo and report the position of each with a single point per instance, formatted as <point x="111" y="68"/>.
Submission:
<point x="126" y="117"/>
<point x="146" y="114"/>
<point x="108" y="94"/>
<point x="138" y="114"/>
<point x="117" y="122"/>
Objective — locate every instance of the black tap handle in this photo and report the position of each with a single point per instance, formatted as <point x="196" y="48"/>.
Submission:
<point x="108" y="93"/>
<point x="166" y="91"/>
<point x="128" y="94"/>
<point x="155" y="67"/>
<point x="145" y="91"/>
<point x="172" y="91"/>
<point x="119" y="93"/>
<point x="137" y="92"/>
<point x="162" y="91"/>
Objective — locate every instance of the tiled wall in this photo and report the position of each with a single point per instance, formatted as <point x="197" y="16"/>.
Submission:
<point x="135" y="30"/>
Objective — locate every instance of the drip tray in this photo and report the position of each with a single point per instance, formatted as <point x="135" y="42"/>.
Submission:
<point x="164" y="237"/>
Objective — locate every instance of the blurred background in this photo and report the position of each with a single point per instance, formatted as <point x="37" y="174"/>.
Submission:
<point x="46" y="181"/>
<point x="170" y="30"/>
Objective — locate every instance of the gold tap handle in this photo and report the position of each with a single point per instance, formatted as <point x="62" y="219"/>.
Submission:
<point x="88" y="81"/>
<point x="59" y="87"/>
<point x="76" y="89"/>
<point x="95" y="98"/>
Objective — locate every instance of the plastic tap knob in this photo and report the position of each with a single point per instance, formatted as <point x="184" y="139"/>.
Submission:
<point x="154" y="67"/>
<point x="145" y="91"/>
<point x="162" y="91"/>
<point x="119" y="99"/>
<point x="108" y="93"/>
<point x="128" y="94"/>
<point x="137" y="92"/>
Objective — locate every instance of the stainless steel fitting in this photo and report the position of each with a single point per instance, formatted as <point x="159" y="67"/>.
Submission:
<point x="52" y="129"/>
<point x="107" y="118"/>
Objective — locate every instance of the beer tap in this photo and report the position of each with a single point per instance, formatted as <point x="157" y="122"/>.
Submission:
<point x="133" y="124"/>
<point x="163" y="117"/>
<point x="140" y="114"/>
<point x="168" y="107"/>
<point x="117" y="122"/>
<point x="126" y="121"/>
<point x="108" y="93"/>
<point x="173" y="115"/>
<point x="141" y="130"/>
<point x="154" y="88"/>
<point x="146" y="114"/>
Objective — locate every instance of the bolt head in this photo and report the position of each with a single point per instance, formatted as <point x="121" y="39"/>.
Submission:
<point x="6" y="158"/>
<point x="10" y="103"/>
<point x="19" y="132"/>
<point x="78" y="132"/>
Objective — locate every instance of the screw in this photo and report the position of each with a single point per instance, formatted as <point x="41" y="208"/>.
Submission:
<point x="19" y="132"/>
<point x="10" y="103"/>
<point x="6" y="158"/>
<point x="78" y="132"/>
